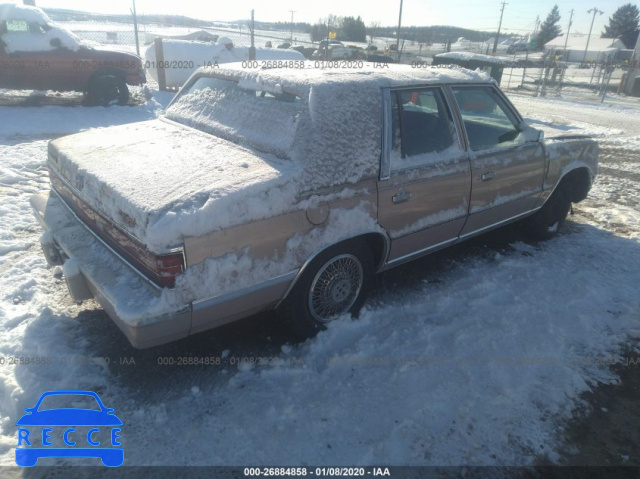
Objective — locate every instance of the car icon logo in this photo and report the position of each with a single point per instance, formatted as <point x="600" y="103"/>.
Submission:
<point x="69" y="432"/>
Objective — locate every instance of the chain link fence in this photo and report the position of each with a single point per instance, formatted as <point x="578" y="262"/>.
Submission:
<point x="124" y="35"/>
<point x="549" y="77"/>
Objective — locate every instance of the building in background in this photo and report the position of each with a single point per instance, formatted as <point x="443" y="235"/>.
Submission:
<point x="598" y="49"/>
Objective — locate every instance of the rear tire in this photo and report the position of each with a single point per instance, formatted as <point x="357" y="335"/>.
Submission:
<point x="336" y="282"/>
<point x="548" y="220"/>
<point x="108" y="89"/>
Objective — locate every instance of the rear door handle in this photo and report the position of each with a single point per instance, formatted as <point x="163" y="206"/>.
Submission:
<point x="488" y="176"/>
<point x="401" y="197"/>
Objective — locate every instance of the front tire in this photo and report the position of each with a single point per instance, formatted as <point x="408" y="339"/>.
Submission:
<point x="108" y="89"/>
<point x="336" y="282"/>
<point x="548" y="220"/>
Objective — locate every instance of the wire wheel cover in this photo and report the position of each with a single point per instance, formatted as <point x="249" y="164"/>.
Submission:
<point x="335" y="287"/>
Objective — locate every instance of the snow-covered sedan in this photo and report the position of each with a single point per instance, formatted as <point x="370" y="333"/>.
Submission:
<point x="288" y="189"/>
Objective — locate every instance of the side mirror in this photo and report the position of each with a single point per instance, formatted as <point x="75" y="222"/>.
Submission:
<point x="529" y="134"/>
<point x="56" y="43"/>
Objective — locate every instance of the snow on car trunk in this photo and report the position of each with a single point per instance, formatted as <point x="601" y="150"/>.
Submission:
<point x="153" y="178"/>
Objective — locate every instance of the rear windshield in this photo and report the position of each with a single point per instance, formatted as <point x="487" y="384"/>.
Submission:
<point x="69" y="401"/>
<point x="262" y="116"/>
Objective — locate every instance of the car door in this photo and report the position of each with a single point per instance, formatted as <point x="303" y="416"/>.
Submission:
<point x="507" y="159"/>
<point x="14" y="34"/>
<point x="25" y="48"/>
<point x="424" y="185"/>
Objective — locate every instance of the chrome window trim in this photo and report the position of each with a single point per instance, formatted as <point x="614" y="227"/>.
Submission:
<point x="455" y="118"/>
<point x="511" y="113"/>
<point x="385" y="155"/>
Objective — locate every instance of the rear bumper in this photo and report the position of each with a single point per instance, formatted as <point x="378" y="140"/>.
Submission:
<point x="132" y="302"/>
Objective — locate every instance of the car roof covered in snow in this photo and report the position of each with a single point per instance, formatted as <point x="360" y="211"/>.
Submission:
<point x="337" y="135"/>
<point x="347" y="73"/>
<point x="12" y="11"/>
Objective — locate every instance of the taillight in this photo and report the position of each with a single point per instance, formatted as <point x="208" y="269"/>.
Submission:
<point x="168" y="266"/>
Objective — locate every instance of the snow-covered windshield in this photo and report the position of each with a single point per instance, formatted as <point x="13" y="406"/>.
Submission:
<point x="249" y="112"/>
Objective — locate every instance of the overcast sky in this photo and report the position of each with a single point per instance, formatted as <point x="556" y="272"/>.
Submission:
<point x="519" y="15"/>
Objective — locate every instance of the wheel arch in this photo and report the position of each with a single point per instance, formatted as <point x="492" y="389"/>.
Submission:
<point x="108" y="71"/>
<point x="103" y="72"/>
<point x="579" y="180"/>
<point x="376" y="240"/>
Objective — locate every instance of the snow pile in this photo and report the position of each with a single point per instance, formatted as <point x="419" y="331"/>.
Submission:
<point x="475" y="368"/>
<point x="469" y="56"/>
<point x="49" y="126"/>
<point x="12" y="11"/>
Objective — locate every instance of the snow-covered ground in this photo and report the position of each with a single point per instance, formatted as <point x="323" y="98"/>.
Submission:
<point x="476" y="361"/>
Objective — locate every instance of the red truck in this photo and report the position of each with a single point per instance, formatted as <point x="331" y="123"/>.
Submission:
<point x="37" y="54"/>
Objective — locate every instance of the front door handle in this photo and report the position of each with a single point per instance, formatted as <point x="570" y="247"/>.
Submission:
<point x="401" y="197"/>
<point x="488" y="176"/>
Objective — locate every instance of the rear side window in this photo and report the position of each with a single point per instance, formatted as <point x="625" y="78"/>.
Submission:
<point x="423" y="130"/>
<point x="487" y="119"/>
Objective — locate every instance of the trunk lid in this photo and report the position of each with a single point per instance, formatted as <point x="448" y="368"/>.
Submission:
<point x="160" y="181"/>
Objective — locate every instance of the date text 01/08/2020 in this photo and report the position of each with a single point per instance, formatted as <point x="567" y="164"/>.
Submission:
<point x="317" y="471"/>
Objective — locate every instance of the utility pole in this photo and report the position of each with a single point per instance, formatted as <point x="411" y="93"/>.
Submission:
<point x="252" y="27"/>
<point x="135" y="27"/>
<point x="495" y="44"/>
<point x="594" y="10"/>
<point x="398" y="36"/>
<point x="292" y="12"/>
<point x="566" y="55"/>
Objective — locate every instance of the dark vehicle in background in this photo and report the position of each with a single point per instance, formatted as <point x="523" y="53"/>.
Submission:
<point x="36" y="54"/>
<point x="518" y="46"/>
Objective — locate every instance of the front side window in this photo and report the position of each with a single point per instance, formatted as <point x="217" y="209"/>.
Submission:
<point x="423" y="130"/>
<point x="487" y="119"/>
